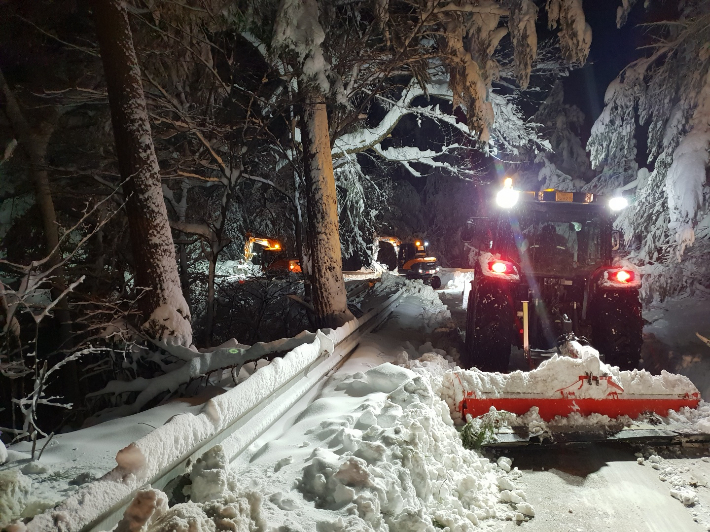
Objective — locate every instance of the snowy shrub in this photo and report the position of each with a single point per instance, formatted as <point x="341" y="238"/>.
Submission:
<point x="481" y="430"/>
<point x="260" y="309"/>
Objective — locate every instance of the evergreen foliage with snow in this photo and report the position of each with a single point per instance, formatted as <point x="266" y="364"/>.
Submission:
<point x="667" y="91"/>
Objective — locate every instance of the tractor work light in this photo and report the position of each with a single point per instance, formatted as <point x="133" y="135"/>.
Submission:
<point x="507" y="197"/>
<point x="618" y="203"/>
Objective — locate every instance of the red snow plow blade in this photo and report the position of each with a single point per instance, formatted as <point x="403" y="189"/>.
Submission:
<point x="550" y="408"/>
<point x="573" y="413"/>
<point x="616" y="402"/>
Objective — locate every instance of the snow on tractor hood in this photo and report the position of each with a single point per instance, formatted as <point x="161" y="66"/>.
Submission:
<point x="485" y="259"/>
<point x="621" y="264"/>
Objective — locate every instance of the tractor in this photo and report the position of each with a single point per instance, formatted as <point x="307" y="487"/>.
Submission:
<point x="545" y="271"/>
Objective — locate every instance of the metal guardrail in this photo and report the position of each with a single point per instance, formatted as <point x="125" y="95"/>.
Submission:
<point x="107" y="502"/>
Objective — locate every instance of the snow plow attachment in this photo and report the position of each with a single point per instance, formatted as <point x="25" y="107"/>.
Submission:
<point x="578" y="400"/>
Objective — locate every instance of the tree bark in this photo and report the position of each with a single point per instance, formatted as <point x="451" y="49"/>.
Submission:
<point x="328" y="290"/>
<point x="166" y="314"/>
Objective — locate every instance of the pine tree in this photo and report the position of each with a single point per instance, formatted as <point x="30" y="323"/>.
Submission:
<point x="667" y="91"/>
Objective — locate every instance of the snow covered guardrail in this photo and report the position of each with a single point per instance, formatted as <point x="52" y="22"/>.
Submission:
<point x="234" y="420"/>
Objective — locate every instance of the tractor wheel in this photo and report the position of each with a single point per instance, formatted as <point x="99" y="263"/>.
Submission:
<point x="617" y="328"/>
<point x="436" y="282"/>
<point x="489" y="328"/>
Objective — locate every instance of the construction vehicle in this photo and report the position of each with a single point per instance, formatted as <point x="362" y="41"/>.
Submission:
<point x="414" y="262"/>
<point x="545" y="272"/>
<point x="270" y="255"/>
<point x="546" y="279"/>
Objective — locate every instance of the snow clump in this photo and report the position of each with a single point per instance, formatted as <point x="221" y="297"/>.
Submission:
<point x="399" y="464"/>
<point x="376" y="452"/>
<point x="433" y="313"/>
<point x="693" y="420"/>
<point x="217" y="503"/>
<point x="14" y="492"/>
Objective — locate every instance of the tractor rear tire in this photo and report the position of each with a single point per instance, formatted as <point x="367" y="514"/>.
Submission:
<point x="489" y="328"/>
<point x="436" y="282"/>
<point x="617" y="328"/>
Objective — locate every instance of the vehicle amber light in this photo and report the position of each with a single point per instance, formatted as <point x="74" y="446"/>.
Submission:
<point x="277" y="246"/>
<point x="291" y="266"/>
<point x="417" y="243"/>
<point x="498" y="267"/>
<point x="624" y="277"/>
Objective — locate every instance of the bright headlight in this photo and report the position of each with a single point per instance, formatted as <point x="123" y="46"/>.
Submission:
<point x="618" y="203"/>
<point x="507" y="197"/>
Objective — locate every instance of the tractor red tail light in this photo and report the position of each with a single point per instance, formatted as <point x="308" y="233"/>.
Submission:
<point x="501" y="267"/>
<point x="624" y="276"/>
<point x="620" y="278"/>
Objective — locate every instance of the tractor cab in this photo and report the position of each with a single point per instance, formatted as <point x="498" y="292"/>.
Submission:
<point x="544" y="269"/>
<point x="414" y="262"/>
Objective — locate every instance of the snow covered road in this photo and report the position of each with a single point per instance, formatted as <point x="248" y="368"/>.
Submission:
<point x="603" y="486"/>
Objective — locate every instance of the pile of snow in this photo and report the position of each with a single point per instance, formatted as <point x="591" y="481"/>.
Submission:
<point x="431" y="363"/>
<point x="691" y="420"/>
<point x="221" y="505"/>
<point x="14" y="491"/>
<point x="455" y="278"/>
<point x="376" y="452"/>
<point x="432" y="313"/>
<point x="181" y="434"/>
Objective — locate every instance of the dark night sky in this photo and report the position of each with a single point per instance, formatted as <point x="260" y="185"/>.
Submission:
<point x="612" y="49"/>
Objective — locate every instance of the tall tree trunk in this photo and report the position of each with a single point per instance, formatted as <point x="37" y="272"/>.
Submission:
<point x="328" y="290"/>
<point x="166" y="314"/>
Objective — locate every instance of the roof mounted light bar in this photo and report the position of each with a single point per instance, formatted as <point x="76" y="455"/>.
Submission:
<point x="565" y="197"/>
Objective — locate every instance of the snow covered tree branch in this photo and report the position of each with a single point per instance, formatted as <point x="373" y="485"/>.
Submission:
<point x="667" y="91"/>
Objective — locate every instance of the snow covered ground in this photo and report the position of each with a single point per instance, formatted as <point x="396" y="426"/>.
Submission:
<point x="375" y="448"/>
<point x="671" y="342"/>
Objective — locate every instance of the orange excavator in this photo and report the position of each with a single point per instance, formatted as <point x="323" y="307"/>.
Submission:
<point x="270" y="256"/>
<point x="412" y="259"/>
<point x="415" y="263"/>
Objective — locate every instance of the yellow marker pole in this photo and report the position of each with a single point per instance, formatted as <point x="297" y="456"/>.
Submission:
<point x="526" y="328"/>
